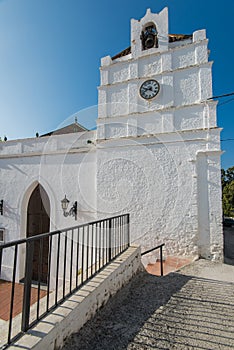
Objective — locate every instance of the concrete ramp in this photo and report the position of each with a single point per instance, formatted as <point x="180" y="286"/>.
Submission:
<point x="189" y="309"/>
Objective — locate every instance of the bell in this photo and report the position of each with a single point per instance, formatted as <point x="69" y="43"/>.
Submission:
<point x="149" y="42"/>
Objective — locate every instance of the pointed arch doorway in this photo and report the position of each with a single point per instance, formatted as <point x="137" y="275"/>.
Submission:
<point x="38" y="221"/>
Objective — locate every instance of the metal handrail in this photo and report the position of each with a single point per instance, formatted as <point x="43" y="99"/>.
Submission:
<point x="161" y="255"/>
<point x="47" y="234"/>
<point x="76" y="253"/>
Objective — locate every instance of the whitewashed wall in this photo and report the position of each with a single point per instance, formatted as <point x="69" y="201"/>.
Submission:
<point x="157" y="179"/>
<point x="62" y="164"/>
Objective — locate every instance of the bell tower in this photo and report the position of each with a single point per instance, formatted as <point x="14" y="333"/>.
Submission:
<point x="122" y="93"/>
<point x="158" y="144"/>
<point x="150" y="34"/>
<point x="158" y="84"/>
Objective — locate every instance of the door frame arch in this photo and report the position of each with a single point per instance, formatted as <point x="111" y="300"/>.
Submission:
<point x="38" y="222"/>
<point x="23" y="205"/>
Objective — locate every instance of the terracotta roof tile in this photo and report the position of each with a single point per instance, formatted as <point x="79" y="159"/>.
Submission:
<point x="179" y="37"/>
<point x="125" y="52"/>
<point x="74" y="127"/>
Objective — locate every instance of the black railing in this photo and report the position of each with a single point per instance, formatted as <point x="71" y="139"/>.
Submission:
<point x="57" y="264"/>
<point x="160" y="247"/>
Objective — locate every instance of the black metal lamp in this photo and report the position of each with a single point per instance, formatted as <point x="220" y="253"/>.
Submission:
<point x="1" y="206"/>
<point x="72" y="212"/>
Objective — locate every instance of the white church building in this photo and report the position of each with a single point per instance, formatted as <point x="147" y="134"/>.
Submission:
<point x="155" y="153"/>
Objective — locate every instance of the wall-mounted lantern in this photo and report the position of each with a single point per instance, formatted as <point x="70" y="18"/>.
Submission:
<point x="72" y="212"/>
<point x="1" y="206"/>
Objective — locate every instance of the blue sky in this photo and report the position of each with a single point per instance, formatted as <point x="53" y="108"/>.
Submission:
<point x="50" y="54"/>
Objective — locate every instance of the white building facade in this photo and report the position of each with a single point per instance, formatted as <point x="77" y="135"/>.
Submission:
<point x="155" y="153"/>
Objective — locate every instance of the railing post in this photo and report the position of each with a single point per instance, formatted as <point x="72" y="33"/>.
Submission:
<point x="161" y="259"/>
<point x="12" y="293"/>
<point x="27" y="285"/>
<point x="109" y="249"/>
<point x="128" y="229"/>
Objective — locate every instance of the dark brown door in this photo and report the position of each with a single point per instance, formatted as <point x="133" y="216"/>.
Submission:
<point x="38" y="221"/>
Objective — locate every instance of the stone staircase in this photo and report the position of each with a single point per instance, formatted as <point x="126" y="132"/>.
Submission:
<point x="189" y="309"/>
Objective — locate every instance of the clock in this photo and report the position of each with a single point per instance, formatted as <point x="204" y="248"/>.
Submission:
<point x="149" y="89"/>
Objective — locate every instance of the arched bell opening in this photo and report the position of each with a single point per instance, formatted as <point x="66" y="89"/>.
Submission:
<point x="149" y="36"/>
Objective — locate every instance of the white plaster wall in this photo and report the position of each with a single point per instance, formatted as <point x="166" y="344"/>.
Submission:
<point x="181" y="57"/>
<point x="156" y="180"/>
<point x="209" y="205"/>
<point x="193" y="117"/>
<point x="62" y="164"/>
<point x="150" y="65"/>
<point x="178" y="89"/>
<point x="49" y="144"/>
<point x="184" y="57"/>
<point x="117" y="101"/>
<point x="184" y="74"/>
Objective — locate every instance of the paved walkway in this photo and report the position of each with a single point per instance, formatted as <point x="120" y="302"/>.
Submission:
<point x="5" y="298"/>
<point x="171" y="264"/>
<point x="190" y="309"/>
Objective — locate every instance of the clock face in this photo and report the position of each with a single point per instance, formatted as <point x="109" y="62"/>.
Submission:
<point x="149" y="89"/>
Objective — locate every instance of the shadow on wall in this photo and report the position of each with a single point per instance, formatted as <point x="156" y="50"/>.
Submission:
<point x="228" y="244"/>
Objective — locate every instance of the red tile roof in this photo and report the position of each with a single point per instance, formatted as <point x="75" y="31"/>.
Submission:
<point x="74" y="127"/>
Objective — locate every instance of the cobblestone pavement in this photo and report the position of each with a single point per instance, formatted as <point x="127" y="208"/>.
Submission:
<point x="183" y="310"/>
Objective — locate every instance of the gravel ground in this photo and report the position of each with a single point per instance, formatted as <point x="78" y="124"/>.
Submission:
<point x="184" y="310"/>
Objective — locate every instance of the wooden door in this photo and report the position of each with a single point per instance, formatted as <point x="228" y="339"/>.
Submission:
<point x="38" y="221"/>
